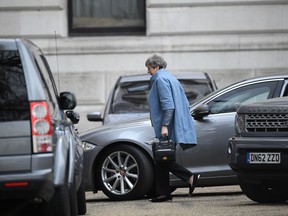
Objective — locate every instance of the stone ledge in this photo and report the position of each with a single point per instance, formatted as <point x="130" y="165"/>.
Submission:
<point x="205" y="3"/>
<point x="133" y="44"/>
<point x="15" y="5"/>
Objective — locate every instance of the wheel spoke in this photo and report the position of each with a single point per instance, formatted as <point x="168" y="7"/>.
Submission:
<point x="128" y="182"/>
<point x="115" y="184"/>
<point x="113" y="163"/>
<point x="109" y="170"/>
<point x="135" y="176"/>
<point x="126" y="160"/>
<point x="131" y="167"/>
<point x="111" y="178"/>
<point x="119" y="159"/>
<point x="122" y="186"/>
<point x="120" y="172"/>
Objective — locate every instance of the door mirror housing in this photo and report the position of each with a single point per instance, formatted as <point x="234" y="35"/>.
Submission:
<point x="94" y="117"/>
<point x="73" y="116"/>
<point x="67" y="101"/>
<point x="201" y="112"/>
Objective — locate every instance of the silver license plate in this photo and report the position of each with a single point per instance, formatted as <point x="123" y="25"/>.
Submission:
<point x="263" y="158"/>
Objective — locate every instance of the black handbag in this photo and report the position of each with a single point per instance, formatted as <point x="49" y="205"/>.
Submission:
<point x="164" y="150"/>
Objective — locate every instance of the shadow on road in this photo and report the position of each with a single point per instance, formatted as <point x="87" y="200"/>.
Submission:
<point x="100" y="197"/>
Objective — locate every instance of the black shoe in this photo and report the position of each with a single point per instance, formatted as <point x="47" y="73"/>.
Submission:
<point x="161" y="199"/>
<point x="192" y="187"/>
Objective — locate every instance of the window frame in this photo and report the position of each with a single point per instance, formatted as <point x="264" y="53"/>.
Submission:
<point x="104" y="31"/>
<point x="272" y="85"/>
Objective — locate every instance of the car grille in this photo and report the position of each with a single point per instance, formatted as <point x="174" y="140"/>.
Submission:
<point x="267" y="122"/>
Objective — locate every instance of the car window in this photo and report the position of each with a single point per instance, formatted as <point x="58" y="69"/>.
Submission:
<point x="195" y="89"/>
<point x="14" y="103"/>
<point x="230" y="101"/>
<point x="285" y="89"/>
<point x="47" y="80"/>
<point x="132" y="97"/>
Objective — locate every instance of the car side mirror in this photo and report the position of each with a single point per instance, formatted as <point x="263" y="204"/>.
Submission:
<point x="201" y="112"/>
<point x="95" y="116"/>
<point x="67" y="101"/>
<point x="73" y="116"/>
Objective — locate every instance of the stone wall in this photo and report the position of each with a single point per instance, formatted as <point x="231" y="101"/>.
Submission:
<point x="230" y="39"/>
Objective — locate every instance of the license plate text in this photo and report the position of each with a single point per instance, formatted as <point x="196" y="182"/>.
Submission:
<point x="263" y="158"/>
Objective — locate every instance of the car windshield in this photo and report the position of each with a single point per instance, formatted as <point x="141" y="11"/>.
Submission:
<point x="132" y="97"/>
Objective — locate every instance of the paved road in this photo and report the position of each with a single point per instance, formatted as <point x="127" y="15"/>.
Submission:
<point x="211" y="201"/>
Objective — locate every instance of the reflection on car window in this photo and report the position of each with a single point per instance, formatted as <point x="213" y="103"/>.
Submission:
<point x="285" y="92"/>
<point x="195" y="89"/>
<point x="132" y="97"/>
<point x="13" y="94"/>
<point x="231" y="101"/>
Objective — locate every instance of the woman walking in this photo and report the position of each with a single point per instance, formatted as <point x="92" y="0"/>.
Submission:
<point x="170" y="117"/>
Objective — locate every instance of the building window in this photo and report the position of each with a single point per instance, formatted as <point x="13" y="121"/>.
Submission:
<point x="107" y="17"/>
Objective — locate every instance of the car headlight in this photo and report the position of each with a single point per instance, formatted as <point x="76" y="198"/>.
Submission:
<point x="87" y="146"/>
<point x="240" y="123"/>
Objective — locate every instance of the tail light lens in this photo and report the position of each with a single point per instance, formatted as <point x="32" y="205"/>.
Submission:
<point x="41" y="127"/>
<point x="16" y="184"/>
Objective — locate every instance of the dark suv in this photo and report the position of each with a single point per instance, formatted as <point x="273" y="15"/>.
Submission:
<point x="41" y="155"/>
<point x="259" y="150"/>
<point x="128" y="98"/>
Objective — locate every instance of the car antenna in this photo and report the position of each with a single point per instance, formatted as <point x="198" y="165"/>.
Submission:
<point x="56" y="50"/>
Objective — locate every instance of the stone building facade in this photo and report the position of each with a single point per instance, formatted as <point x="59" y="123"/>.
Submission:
<point x="230" y="39"/>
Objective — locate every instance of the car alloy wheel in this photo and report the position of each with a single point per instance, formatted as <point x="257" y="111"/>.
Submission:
<point x="120" y="172"/>
<point x="124" y="172"/>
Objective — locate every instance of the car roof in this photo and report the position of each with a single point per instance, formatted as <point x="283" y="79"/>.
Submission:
<point x="8" y="44"/>
<point x="13" y="44"/>
<point x="244" y="82"/>
<point x="146" y="77"/>
<point x="261" y="78"/>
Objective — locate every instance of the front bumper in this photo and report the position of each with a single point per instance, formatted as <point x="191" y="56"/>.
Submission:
<point x="240" y="146"/>
<point x="91" y="151"/>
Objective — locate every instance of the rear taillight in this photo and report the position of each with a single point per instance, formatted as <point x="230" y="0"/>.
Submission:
<point x="16" y="184"/>
<point x="41" y="127"/>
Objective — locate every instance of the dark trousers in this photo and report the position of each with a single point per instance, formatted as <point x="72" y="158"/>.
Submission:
<point x="162" y="179"/>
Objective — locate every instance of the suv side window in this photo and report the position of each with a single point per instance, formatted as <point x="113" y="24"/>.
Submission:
<point x="231" y="101"/>
<point x="14" y="104"/>
<point x="47" y="79"/>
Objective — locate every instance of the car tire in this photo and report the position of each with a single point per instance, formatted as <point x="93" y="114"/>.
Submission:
<point x="262" y="193"/>
<point x="73" y="199"/>
<point x="81" y="199"/>
<point x="124" y="172"/>
<point x="59" y="203"/>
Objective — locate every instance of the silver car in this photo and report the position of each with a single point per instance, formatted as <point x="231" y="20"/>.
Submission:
<point x="118" y="162"/>
<point x="41" y="155"/>
<point x="128" y="98"/>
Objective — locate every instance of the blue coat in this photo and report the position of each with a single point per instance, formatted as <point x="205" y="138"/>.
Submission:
<point x="167" y="93"/>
